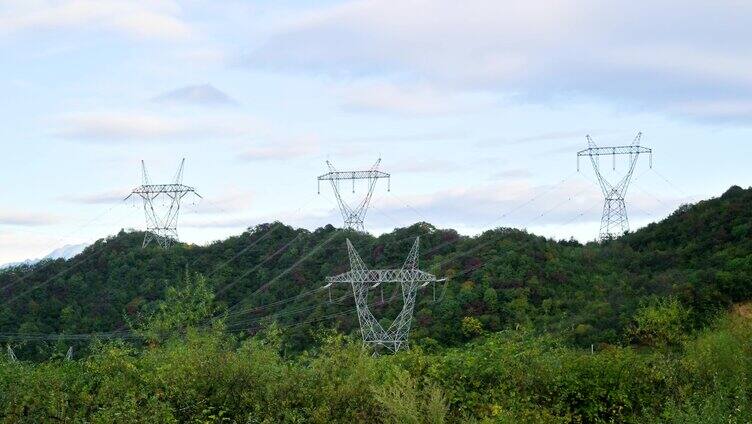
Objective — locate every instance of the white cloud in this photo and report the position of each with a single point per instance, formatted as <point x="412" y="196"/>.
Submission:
<point x="220" y="222"/>
<point x="107" y="197"/>
<point x="19" y="246"/>
<point x="569" y="208"/>
<point x="516" y="203"/>
<point x="231" y="200"/>
<point x="416" y="165"/>
<point x="210" y="56"/>
<point x="396" y="98"/>
<point x="723" y="110"/>
<point x="122" y="127"/>
<point x="131" y="126"/>
<point x="554" y="136"/>
<point x="402" y="137"/>
<point x="26" y="219"/>
<point x="143" y="19"/>
<point x="203" y="94"/>
<point x="512" y="174"/>
<point x="536" y="51"/>
<point x="282" y="149"/>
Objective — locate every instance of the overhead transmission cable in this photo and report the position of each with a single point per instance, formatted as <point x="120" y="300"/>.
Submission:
<point x="329" y="239"/>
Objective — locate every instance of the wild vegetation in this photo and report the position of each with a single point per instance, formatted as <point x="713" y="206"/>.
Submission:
<point x="638" y="329"/>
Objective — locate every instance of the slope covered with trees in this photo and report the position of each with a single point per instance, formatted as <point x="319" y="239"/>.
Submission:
<point x="700" y="257"/>
<point x="638" y="329"/>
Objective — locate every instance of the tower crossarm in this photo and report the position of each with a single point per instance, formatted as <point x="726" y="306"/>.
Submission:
<point x="362" y="280"/>
<point x="353" y="175"/>
<point x="594" y="153"/>
<point x="378" y="276"/>
<point x="153" y="189"/>
<point x="614" y="150"/>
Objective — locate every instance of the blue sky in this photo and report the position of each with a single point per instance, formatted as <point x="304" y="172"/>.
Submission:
<point x="475" y="108"/>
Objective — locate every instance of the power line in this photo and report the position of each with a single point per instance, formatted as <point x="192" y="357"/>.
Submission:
<point x="283" y="301"/>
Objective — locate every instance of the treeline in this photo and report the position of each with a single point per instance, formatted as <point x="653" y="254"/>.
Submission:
<point x="513" y="376"/>
<point x="655" y="327"/>
<point x="701" y="257"/>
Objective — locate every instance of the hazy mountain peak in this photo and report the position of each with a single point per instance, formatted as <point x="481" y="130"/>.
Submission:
<point x="66" y="252"/>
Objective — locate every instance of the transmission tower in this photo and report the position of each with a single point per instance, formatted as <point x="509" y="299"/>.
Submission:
<point x="11" y="354"/>
<point x="614" y="221"/>
<point x="162" y="206"/>
<point x="354" y="215"/>
<point x="362" y="279"/>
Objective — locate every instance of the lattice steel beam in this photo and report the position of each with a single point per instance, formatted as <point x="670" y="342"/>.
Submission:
<point x="614" y="221"/>
<point x="361" y="279"/>
<point x="615" y="150"/>
<point x="10" y="354"/>
<point x="354" y="215"/>
<point x="162" y="224"/>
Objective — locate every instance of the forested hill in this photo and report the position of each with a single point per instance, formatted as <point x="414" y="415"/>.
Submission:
<point x="701" y="256"/>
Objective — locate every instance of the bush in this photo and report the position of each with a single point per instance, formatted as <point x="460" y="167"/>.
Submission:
<point x="660" y="322"/>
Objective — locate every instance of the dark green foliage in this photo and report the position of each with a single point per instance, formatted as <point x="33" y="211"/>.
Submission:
<point x="233" y="332"/>
<point x="513" y="377"/>
<point x="504" y="278"/>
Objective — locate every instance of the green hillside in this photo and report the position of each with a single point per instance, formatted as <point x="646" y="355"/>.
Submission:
<point x="651" y="327"/>
<point x="505" y="278"/>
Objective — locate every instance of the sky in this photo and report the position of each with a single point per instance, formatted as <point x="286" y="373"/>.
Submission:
<point x="476" y="108"/>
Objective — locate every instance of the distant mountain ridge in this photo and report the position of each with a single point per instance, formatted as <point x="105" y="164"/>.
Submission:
<point x="66" y="252"/>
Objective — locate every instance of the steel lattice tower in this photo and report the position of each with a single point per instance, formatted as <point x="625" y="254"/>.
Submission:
<point x="410" y="279"/>
<point x="614" y="221"/>
<point x="11" y="355"/>
<point x="353" y="216"/>
<point x="162" y="223"/>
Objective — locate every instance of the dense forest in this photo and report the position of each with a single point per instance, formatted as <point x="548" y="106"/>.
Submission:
<point x="652" y="326"/>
